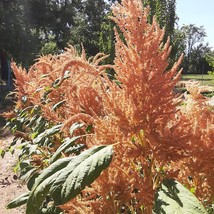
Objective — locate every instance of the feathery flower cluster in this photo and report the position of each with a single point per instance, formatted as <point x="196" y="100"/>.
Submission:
<point x="67" y="79"/>
<point x="155" y="134"/>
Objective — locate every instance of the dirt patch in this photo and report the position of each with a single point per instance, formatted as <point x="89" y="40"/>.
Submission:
<point x="10" y="186"/>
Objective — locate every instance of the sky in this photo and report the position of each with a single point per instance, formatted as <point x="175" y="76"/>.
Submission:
<point x="198" y="12"/>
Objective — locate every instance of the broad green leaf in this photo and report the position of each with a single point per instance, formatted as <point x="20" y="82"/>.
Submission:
<point x="58" y="184"/>
<point x="84" y="170"/>
<point x="56" y="188"/>
<point x="27" y="173"/>
<point x="47" y="133"/>
<point x="43" y="183"/>
<point x="69" y="176"/>
<point x="174" y="198"/>
<point x="23" y="164"/>
<point x="68" y="142"/>
<point x="31" y="180"/>
<point x="56" y="166"/>
<point x="22" y="199"/>
<point x="76" y="149"/>
<point x="39" y="193"/>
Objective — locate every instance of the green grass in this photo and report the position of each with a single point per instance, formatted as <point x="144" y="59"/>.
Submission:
<point x="205" y="79"/>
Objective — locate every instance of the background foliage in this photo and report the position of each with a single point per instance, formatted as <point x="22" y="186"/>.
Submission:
<point x="33" y="27"/>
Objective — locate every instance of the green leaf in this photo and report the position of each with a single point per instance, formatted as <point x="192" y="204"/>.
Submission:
<point x="22" y="199"/>
<point x="2" y="153"/>
<point x="33" y="120"/>
<point x="47" y="133"/>
<point x="39" y="193"/>
<point x="43" y="183"/>
<point x="56" y="166"/>
<point x="76" y="149"/>
<point x="68" y="142"/>
<point x="27" y="173"/>
<point x="24" y="164"/>
<point x="83" y="170"/>
<point x="51" y="210"/>
<point x="74" y="127"/>
<point x="57" y="186"/>
<point x="69" y="176"/>
<point x="39" y="124"/>
<point x="58" y="105"/>
<point x="89" y="128"/>
<point x="31" y="180"/>
<point x="60" y="80"/>
<point x="32" y="149"/>
<point x="173" y="197"/>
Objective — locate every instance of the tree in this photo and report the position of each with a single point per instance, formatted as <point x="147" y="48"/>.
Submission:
<point x="164" y="10"/>
<point x="179" y="44"/>
<point x="195" y="51"/>
<point x="66" y="21"/>
<point x="52" y="18"/>
<point x="198" y="62"/>
<point x="107" y="43"/>
<point x="193" y="35"/>
<point x="17" y="39"/>
<point x="106" y="40"/>
<point x="210" y="59"/>
<point x="88" y="24"/>
<point x="32" y="27"/>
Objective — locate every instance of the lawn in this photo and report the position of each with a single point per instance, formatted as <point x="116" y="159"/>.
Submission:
<point x="204" y="79"/>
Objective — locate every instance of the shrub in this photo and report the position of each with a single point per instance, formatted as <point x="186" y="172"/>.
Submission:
<point x="145" y="136"/>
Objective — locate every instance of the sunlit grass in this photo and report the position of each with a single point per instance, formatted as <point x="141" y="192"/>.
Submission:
<point x="204" y="79"/>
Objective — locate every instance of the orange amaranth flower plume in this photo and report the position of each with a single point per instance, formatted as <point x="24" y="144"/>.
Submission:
<point x="67" y="78"/>
<point x="141" y="115"/>
<point x="155" y="134"/>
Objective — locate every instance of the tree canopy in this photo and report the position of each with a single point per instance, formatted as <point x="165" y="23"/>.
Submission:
<point x="18" y="40"/>
<point x="30" y="28"/>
